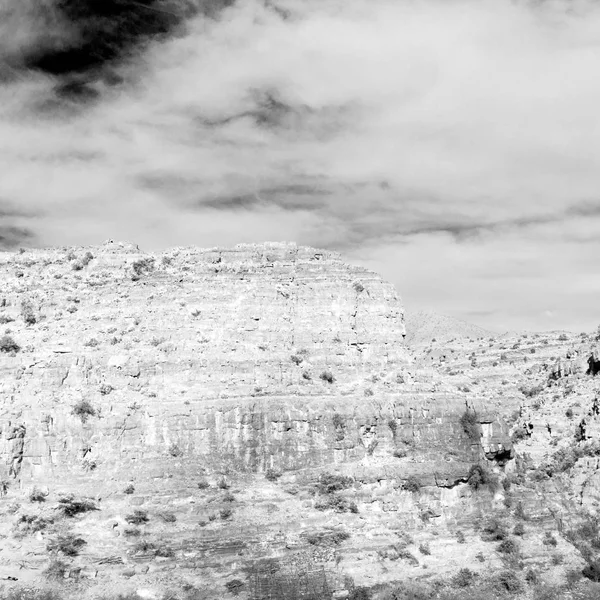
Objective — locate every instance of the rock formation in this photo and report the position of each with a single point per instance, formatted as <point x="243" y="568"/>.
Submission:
<point x="230" y="418"/>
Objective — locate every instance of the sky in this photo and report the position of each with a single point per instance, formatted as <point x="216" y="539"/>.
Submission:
<point x="453" y="146"/>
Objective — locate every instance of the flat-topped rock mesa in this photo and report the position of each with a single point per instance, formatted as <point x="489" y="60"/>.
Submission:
<point x="219" y="352"/>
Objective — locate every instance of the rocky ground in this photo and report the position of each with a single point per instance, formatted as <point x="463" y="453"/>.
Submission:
<point x="251" y="422"/>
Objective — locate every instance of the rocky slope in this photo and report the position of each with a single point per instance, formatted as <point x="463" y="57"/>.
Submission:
<point x="225" y="420"/>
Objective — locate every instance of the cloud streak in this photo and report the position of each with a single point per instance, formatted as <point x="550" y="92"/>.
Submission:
<point x="450" y="135"/>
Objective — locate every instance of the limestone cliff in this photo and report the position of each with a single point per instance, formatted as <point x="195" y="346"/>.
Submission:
<point x="216" y="391"/>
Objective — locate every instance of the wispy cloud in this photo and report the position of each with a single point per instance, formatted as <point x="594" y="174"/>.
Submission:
<point x="435" y="139"/>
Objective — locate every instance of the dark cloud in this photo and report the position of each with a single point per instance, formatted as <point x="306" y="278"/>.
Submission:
<point x="12" y="237"/>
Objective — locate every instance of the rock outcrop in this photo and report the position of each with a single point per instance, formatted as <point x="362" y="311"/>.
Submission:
<point x="244" y="402"/>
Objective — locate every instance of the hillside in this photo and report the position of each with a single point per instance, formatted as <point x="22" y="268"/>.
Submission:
<point x="248" y="422"/>
<point x="424" y="326"/>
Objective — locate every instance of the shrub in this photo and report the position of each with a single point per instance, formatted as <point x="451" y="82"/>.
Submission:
<point x="399" y="453"/>
<point x="424" y="549"/>
<point x="592" y="571"/>
<point x="223" y="484"/>
<point x="36" y="495"/>
<point x="327" y="376"/>
<point x="296" y="359"/>
<point x="412" y="484"/>
<point x="137" y="517"/>
<point x="479" y="476"/>
<point x="509" y="581"/>
<point x="106" y="389"/>
<point x="337" y="503"/>
<point x="27" y="313"/>
<point x="175" y="451"/>
<point x="84" y="409"/>
<point x="71" y="506"/>
<point x="226" y="513"/>
<point x="167" y="516"/>
<point x="508" y="546"/>
<point x="470" y="424"/>
<point x="549" y="539"/>
<point x="272" y="474"/>
<point x="56" y="569"/>
<point x="327" y="538"/>
<point x="519" y="530"/>
<point x="464" y="578"/>
<point x="329" y="483"/>
<point x="142" y="266"/>
<point x="493" y="531"/>
<point x="68" y="544"/>
<point x="360" y="593"/>
<point x="203" y="484"/>
<point x="129" y="489"/>
<point x="8" y="345"/>
<point x="234" y="586"/>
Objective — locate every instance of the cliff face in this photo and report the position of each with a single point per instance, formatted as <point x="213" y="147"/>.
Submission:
<point x="220" y="385"/>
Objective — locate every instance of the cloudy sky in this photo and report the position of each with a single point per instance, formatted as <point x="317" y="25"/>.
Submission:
<point x="451" y="145"/>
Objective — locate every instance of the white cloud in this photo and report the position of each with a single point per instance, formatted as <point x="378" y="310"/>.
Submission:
<point x="401" y="117"/>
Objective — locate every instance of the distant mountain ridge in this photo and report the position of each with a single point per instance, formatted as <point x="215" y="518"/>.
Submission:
<point x="423" y="326"/>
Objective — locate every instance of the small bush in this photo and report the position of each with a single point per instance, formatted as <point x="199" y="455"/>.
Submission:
<point x="8" y="345"/>
<point x="464" y="578"/>
<point x="327" y="376"/>
<point x="424" y="549"/>
<point x="470" y="424"/>
<point x="223" y="484"/>
<point x="71" y="506"/>
<point x="175" y="451"/>
<point x="509" y="581"/>
<point x="84" y="409"/>
<point x="226" y="513"/>
<point x="56" y="569"/>
<point x="272" y="474"/>
<point x="129" y="489"/>
<point x="106" y="389"/>
<point x="508" y="546"/>
<point x="360" y="593"/>
<point x="337" y="503"/>
<point x="28" y="313"/>
<point x="36" y="495"/>
<point x="494" y="530"/>
<point x="549" y="539"/>
<point x="412" y="484"/>
<point x="519" y="530"/>
<point x="479" y="476"/>
<point x="296" y="359"/>
<point x="329" y="483"/>
<point x="68" y="544"/>
<point x="327" y="538"/>
<point x="203" y="484"/>
<point x="138" y="517"/>
<point x="141" y="267"/>
<point x="167" y="516"/>
<point x="234" y="586"/>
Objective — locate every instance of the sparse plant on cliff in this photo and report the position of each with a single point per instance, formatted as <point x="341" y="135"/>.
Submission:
<point x="28" y="313"/>
<point x="336" y="503"/>
<point x="412" y="484"/>
<point x="327" y="538"/>
<point x="306" y="375"/>
<point x="129" y="489"/>
<point x="203" y="484"/>
<point x="296" y="359"/>
<point x="234" y="586"/>
<point x="4" y="319"/>
<point x="272" y="474"/>
<point x="71" y="506"/>
<point x="223" y="484"/>
<point x="226" y="513"/>
<point x="329" y="483"/>
<point x="68" y="544"/>
<point x="175" y="451"/>
<point x="106" y="389"/>
<point x="480" y="476"/>
<point x="141" y="267"/>
<point x="167" y="516"/>
<point x="138" y="517"/>
<point x="8" y="345"/>
<point x="36" y="495"/>
<point x="84" y="410"/>
<point x="470" y="424"/>
<point x="358" y="287"/>
<point x="56" y="569"/>
<point x="327" y="376"/>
